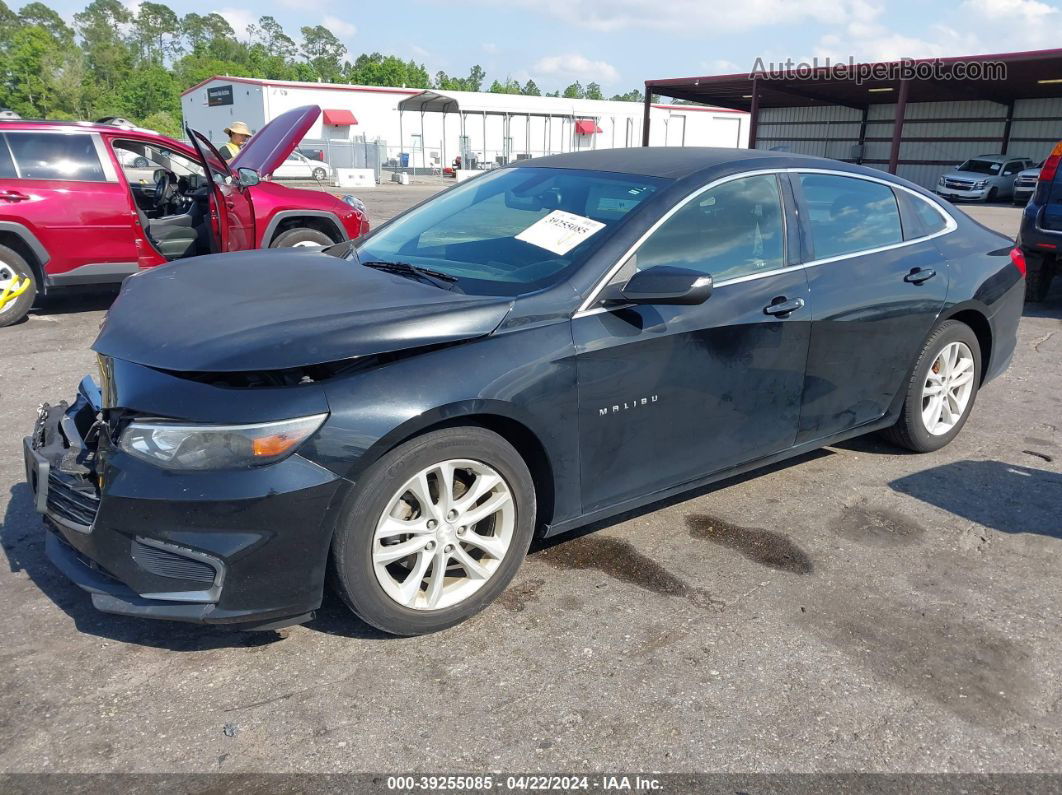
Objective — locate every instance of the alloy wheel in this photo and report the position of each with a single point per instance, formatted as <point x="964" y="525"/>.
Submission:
<point x="947" y="388"/>
<point x="443" y="534"/>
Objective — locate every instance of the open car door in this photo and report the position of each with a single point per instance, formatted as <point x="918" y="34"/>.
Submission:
<point x="231" y="209"/>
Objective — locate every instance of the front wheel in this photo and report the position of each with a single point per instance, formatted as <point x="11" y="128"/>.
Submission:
<point x="302" y="236"/>
<point x="319" y="174"/>
<point x="942" y="389"/>
<point x="435" y="531"/>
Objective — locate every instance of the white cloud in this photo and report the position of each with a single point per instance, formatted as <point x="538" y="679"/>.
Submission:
<point x="688" y="15"/>
<point x="577" y="66"/>
<point x="1030" y="11"/>
<point x="489" y="46"/>
<point x="340" y="27"/>
<point x="240" y="19"/>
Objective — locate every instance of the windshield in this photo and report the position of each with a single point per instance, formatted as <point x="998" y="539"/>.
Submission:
<point x="980" y="166"/>
<point x="515" y="230"/>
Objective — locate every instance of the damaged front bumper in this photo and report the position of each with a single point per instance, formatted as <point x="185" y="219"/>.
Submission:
<point x="245" y="548"/>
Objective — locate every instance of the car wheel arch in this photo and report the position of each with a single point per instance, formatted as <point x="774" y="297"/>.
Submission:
<point x="497" y="416"/>
<point x="284" y="221"/>
<point x="978" y="322"/>
<point x="22" y="241"/>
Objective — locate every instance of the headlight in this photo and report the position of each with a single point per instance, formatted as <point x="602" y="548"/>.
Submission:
<point x="940" y="181"/>
<point x="175" y="446"/>
<point x="980" y="183"/>
<point x="356" y="203"/>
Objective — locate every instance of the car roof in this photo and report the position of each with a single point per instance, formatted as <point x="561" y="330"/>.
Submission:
<point x="676" y="162"/>
<point x="82" y="126"/>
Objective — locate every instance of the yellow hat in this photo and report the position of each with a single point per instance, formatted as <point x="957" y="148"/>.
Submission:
<point x="238" y="128"/>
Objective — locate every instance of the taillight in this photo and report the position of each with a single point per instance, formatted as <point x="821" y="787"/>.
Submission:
<point x="1017" y="256"/>
<point x="1047" y="173"/>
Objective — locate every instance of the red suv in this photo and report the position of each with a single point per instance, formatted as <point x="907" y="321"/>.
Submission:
<point x="88" y="203"/>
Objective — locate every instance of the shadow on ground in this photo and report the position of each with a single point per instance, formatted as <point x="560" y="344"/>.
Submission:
<point x="1005" y="497"/>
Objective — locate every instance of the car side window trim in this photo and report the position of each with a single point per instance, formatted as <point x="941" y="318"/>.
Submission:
<point x="950" y="225"/>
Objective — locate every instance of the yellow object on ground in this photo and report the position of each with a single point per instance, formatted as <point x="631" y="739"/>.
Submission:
<point x="13" y="291"/>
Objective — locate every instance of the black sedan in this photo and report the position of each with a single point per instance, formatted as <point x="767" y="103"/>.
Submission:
<point x="542" y="346"/>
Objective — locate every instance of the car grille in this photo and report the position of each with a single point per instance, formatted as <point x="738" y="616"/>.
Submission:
<point x="1025" y="182"/>
<point x="957" y="184"/>
<point x="74" y="505"/>
<point x="170" y="564"/>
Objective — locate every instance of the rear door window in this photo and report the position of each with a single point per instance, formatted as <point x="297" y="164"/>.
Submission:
<point x="848" y="215"/>
<point x="57" y="156"/>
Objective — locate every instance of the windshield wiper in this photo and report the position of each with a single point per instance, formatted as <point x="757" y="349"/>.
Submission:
<point x="413" y="270"/>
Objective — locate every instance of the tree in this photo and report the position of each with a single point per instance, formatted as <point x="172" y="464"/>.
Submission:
<point x="475" y="79"/>
<point x="631" y="96"/>
<point x="593" y="91"/>
<point x="508" y="87"/>
<point x="574" y="91"/>
<point x="107" y="53"/>
<point x="26" y="86"/>
<point x="201" y="32"/>
<point x="40" y="15"/>
<point x="270" y="34"/>
<point x="164" y="122"/>
<point x="157" y="32"/>
<point x="148" y="90"/>
<point x="323" y="51"/>
<point x="530" y="89"/>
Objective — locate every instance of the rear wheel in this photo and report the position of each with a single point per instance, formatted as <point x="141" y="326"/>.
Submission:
<point x="942" y="390"/>
<point x="301" y="236"/>
<point x="19" y="284"/>
<point x="1040" y="270"/>
<point x="436" y="530"/>
<point x="319" y="174"/>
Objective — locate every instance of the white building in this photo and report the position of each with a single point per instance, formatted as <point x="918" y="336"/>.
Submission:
<point x="434" y="127"/>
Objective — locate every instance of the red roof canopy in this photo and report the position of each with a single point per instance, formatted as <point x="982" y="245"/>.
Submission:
<point x="586" y="127"/>
<point x="340" y="118"/>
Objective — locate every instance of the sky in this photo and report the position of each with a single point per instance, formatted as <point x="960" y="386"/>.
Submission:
<point x="621" y="43"/>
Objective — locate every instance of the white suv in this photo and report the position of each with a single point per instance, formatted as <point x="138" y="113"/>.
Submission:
<point x="983" y="178"/>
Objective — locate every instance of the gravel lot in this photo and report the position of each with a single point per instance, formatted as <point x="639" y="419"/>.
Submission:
<point x="854" y="609"/>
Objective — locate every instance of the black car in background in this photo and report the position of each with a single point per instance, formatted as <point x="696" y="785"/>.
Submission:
<point x="546" y="345"/>
<point x="1040" y="234"/>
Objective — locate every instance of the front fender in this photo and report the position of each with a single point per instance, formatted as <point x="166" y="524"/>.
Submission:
<point x="525" y="377"/>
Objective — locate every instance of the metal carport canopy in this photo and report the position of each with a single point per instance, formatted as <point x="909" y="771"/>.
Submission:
<point x="1028" y="75"/>
<point x="512" y="104"/>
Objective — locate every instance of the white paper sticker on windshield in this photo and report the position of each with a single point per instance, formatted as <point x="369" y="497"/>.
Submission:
<point x="559" y="231"/>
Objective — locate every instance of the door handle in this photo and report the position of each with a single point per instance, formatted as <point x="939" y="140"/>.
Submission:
<point x="919" y="275"/>
<point x="781" y="307"/>
<point x="13" y="196"/>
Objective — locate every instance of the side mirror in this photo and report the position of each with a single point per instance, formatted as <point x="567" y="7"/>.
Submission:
<point x="667" y="284"/>
<point x="248" y="177"/>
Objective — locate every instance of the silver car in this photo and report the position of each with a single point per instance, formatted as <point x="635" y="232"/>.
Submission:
<point x="1025" y="183"/>
<point x="983" y="178"/>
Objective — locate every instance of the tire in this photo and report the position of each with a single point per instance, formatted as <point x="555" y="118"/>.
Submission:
<point x="302" y="236"/>
<point x="1039" y="272"/>
<point x="371" y="589"/>
<point x="911" y="429"/>
<point x="14" y="266"/>
<point x="320" y="174"/>
<point x="141" y="162"/>
<point x="991" y="195"/>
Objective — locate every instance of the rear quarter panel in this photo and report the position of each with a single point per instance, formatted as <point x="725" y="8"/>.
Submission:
<point x="984" y="280"/>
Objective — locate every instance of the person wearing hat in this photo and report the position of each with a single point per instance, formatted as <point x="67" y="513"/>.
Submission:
<point x="238" y="134"/>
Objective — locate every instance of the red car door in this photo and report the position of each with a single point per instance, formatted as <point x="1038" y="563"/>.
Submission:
<point x="231" y="209"/>
<point x="66" y="191"/>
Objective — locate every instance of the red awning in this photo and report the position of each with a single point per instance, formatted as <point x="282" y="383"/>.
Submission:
<point x="340" y="118"/>
<point x="582" y="126"/>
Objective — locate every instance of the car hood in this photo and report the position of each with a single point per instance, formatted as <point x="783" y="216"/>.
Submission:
<point x="270" y="146"/>
<point x="1029" y="172"/>
<point x="282" y="308"/>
